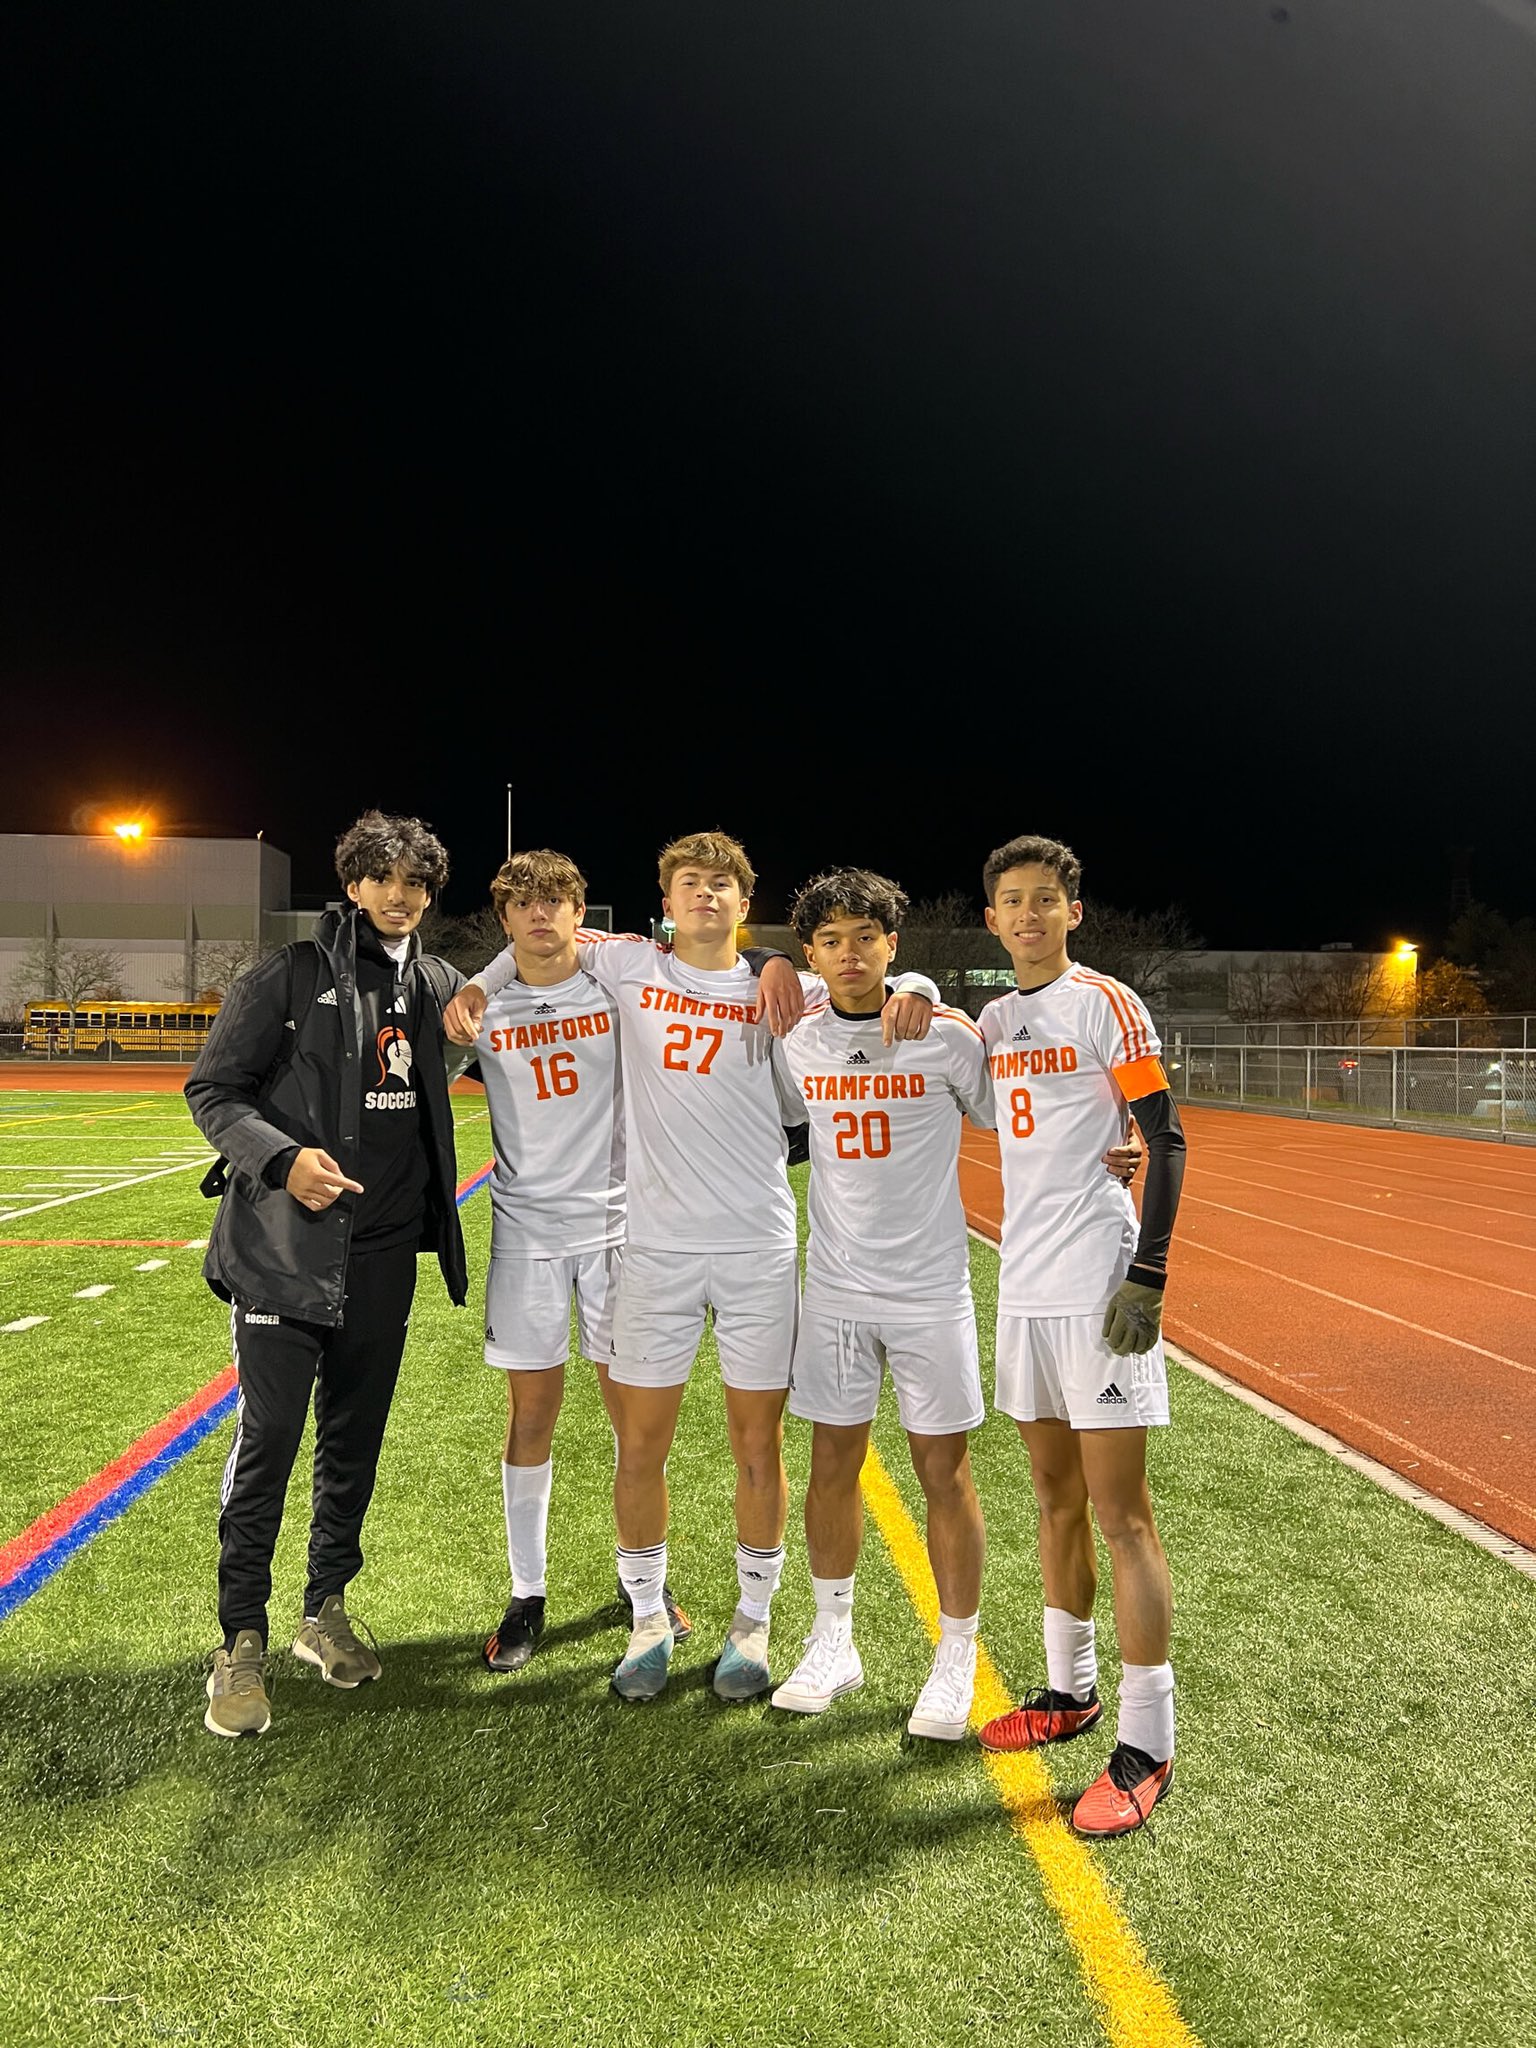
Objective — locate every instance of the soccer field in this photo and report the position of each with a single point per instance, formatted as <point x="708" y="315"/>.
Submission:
<point x="448" y="1857"/>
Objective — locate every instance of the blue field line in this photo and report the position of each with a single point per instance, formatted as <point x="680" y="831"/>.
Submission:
<point x="110" y="1506"/>
<point x="117" y="1503"/>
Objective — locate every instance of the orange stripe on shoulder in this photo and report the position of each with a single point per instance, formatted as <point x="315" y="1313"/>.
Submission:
<point x="958" y="1017"/>
<point x="1110" y="991"/>
<point x="1141" y="1077"/>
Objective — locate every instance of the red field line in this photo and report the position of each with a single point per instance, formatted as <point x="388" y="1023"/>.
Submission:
<point x="1378" y="1283"/>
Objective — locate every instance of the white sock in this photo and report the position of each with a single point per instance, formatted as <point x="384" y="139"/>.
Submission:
<point x="1071" y="1661"/>
<point x="525" y="1500"/>
<point x="1146" y="1709"/>
<point x="643" y="1573"/>
<point x="834" y="1603"/>
<point x="757" y="1574"/>
<point x="962" y="1630"/>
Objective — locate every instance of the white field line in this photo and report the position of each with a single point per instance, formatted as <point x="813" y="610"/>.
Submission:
<point x="1268" y="1187"/>
<point x="1350" y="1244"/>
<point x="22" y="1323"/>
<point x="85" y="1195"/>
<point x="1352" y="1180"/>
<point x="151" y="1265"/>
<point x="1364" y="1307"/>
<point x="93" y="1293"/>
<point x="1494" y="1541"/>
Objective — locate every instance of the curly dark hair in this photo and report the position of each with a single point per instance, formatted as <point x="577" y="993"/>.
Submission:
<point x="373" y="847"/>
<point x="1050" y="854"/>
<point x="847" y="892"/>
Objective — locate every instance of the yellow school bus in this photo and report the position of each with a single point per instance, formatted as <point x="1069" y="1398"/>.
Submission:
<point x="117" y="1029"/>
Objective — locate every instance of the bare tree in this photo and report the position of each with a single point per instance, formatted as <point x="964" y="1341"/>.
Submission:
<point x="466" y="942"/>
<point x="1254" y="992"/>
<point x="34" y="978"/>
<point x="1338" y="990"/>
<point x="1139" y="947"/>
<point x="217" y="964"/>
<point x="55" y="970"/>
<point x="942" y="937"/>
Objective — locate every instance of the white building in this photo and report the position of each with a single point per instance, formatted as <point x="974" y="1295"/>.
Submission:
<point x="153" y="903"/>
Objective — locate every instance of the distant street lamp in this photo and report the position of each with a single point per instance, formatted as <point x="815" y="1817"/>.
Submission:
<point x="131" y="828"/>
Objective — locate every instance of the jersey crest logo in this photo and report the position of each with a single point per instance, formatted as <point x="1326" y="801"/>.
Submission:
<point x="1021" y="1036"/>
<point x="394" y="1050"/>
<point x="858" y="1059"/>
<point x="328" y="997"/>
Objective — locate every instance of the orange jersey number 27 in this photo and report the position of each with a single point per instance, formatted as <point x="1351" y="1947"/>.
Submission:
<point x="678" y="1053"/>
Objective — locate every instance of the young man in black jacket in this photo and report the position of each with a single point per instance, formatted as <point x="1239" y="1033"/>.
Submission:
<point x="323" y="1085"/>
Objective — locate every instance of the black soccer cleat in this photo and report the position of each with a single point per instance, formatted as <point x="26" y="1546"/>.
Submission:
<point x="510" y="1646"/>
<point x="682" y="1627"/>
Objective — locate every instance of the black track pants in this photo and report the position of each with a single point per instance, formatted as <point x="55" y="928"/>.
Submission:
<point x="351" y="1371"/>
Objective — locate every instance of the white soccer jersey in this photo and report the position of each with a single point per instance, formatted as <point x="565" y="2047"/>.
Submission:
<point x="549" y="1060"/>
<point x="706" y="1099"/>
<point x="1066" y="1061"/>
<point x="888" y="1234"/>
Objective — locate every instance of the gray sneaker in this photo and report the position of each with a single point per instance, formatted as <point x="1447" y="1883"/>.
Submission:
<point x="329" y="1644"/>
<point x="237" y="1696"/>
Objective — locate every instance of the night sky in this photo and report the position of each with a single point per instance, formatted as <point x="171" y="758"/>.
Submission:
<point x="876" y="429"/>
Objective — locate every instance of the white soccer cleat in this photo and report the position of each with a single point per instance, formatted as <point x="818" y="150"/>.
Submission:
<point x="943" y="1710"/>
<point x="829" y="1668"/>
<point x="642" y="1674"/>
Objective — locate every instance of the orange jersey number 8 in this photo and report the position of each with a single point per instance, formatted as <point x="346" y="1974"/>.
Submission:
<point x="680" y="1039"/>
<point x="873" y="1127"/>
<point x="1023" y="1113"/>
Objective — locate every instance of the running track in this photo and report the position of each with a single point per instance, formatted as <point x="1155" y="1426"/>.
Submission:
<point x="1379" y="1283"/>
<point x="1382" y="1284"/>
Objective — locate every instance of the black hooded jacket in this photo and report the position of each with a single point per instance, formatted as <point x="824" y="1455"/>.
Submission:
<point x="268" y="1081"/>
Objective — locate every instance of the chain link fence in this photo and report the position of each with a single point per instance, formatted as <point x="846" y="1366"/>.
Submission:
<point x="1489" y="1092"/>
<point x="172" y="1048"/>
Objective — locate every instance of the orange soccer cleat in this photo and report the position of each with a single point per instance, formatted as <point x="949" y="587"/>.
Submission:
<point x="1043" y="1716"/>
<point x="1122" y="1795"/>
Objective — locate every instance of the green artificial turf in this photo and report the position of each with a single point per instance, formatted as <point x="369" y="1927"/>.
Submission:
<point x="449" y="1857"/>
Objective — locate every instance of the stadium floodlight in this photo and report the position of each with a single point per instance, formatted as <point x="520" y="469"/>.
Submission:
<point x="1406" y="951"/>
<point x="129" y="830"/>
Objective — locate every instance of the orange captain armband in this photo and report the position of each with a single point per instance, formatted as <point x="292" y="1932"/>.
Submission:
<point x="1141" y="1077"/>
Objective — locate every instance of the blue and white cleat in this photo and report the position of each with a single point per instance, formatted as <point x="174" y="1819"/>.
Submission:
<point x="643" y="1672"/>
<point x="742" y="1672"/>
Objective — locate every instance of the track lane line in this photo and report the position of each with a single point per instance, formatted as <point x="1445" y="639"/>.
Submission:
<point x="1364" y="1307"/>
<point x="1348" y="1244"/>
<point x="1265" y="1187"/>
<point x="1135" y="2007"/>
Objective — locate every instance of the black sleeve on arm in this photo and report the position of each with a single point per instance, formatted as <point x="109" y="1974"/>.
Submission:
<point x="798" y="1137"/>
<point x="757" y="957"/>
<point x="1157" y="1117"/>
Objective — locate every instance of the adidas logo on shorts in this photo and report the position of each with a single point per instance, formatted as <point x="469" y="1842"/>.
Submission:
<point x="1112" y="1397"/>
<point x="858" y="1059"/>
<point x="490" y="1334"/>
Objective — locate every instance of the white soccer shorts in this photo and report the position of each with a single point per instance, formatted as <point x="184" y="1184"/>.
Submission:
<point x="665" y="1297"/>
<point x="1058" y="1368"/>
<point x="528" y="1308"/>
<point x="840" y="1363"/>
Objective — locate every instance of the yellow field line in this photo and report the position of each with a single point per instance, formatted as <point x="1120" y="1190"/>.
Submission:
<point x="1134" y="2004"/>
<point x="67" y="1116"/>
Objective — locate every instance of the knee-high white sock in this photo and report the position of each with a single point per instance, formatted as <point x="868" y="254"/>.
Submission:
<point x="1071" y="1661"/>
<point x="642" y="1574"/>
<point x="757" y="1574"/>
<point x="1146" y="1709"/>
<point x="525" y="1500"/>
<point x="834" y="1602"/>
